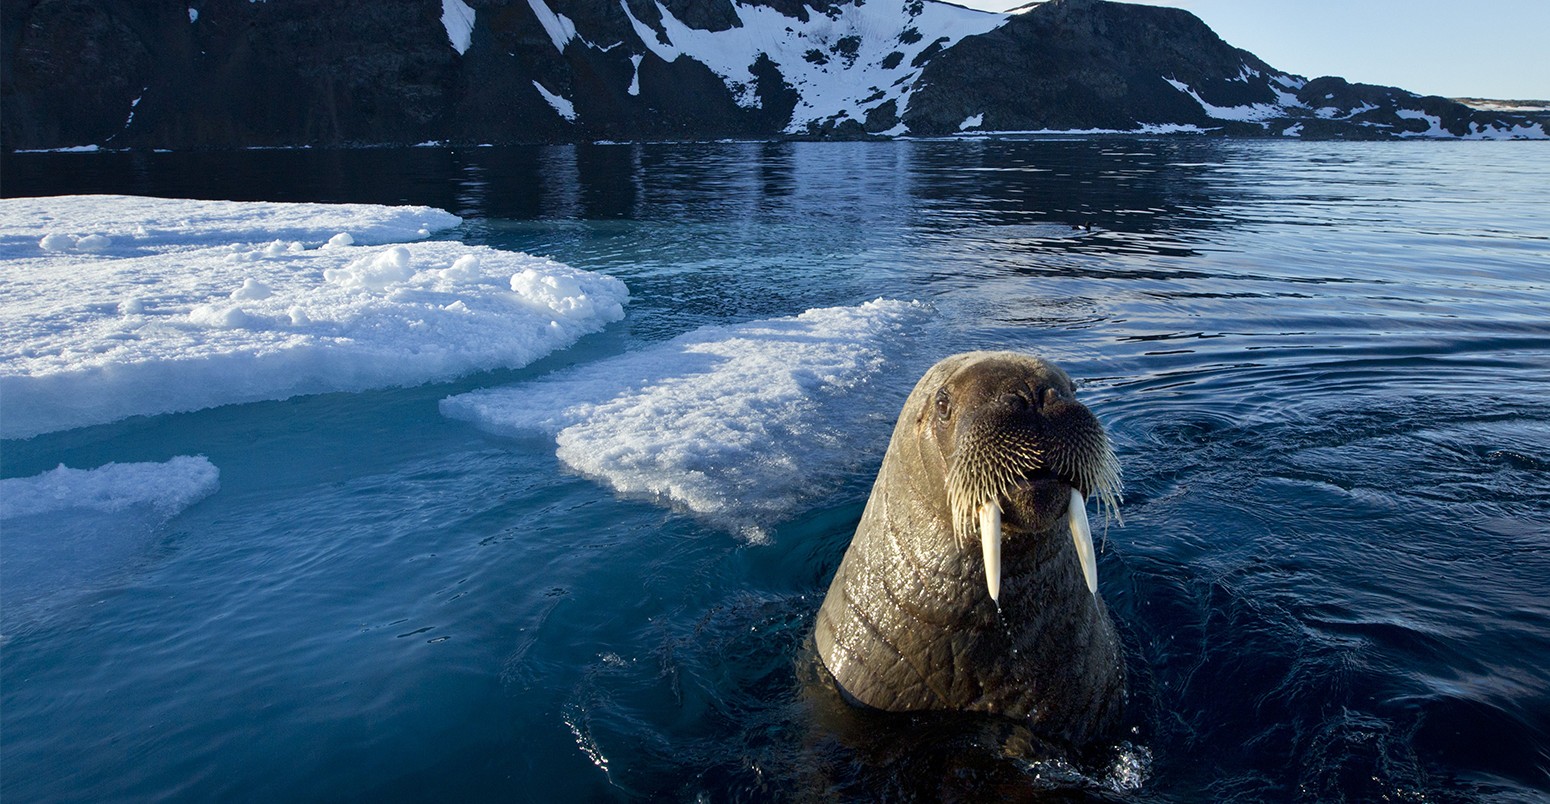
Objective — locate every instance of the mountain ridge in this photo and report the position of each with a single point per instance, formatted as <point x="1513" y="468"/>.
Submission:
<point x="281" y="73"/>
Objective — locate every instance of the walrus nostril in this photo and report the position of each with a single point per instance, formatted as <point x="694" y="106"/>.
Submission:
<point x="1016" y="403"/>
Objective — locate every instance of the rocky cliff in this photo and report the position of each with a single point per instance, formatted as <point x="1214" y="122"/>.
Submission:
<point x="240" y="73"/>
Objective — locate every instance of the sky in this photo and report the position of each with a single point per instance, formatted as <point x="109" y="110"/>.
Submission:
<point x="1480" y="48"/>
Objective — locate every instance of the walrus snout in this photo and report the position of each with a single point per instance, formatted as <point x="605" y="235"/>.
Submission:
<point x="1031" y="450"/>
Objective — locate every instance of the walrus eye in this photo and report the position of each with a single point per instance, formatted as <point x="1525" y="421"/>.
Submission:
<point x="944" y="405"/>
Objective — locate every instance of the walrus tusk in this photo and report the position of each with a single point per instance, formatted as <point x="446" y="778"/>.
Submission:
<point x="990" y="542"/>
<point x="1081" y="534"/>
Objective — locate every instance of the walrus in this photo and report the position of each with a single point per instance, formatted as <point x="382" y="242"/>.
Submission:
<point x="971" y="581"/>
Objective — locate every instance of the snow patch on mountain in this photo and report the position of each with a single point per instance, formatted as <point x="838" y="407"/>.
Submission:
<point x="562" y="105"/>
<point x="456" y="17"/>
<point x="1525" y="131"/>
<point x="1251" y="113"/>
<point x="844" y="63"/>
<point x="559" y="27"/>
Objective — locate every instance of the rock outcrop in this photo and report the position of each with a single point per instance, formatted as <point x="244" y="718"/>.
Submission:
<point x="243" y="73"/>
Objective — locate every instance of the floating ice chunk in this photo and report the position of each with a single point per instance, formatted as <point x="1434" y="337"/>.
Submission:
<point x="340" y="240"/>
<point x="737" y="423"/>
<point x="166" y="488"/>
<point x="143" y="330"/>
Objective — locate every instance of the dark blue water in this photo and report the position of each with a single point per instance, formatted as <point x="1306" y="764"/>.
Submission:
<point x="1326" y="367"/>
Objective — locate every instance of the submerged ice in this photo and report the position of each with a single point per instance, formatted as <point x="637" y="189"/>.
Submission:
<point x="740" y="424"/>
<point x="67" y="529"/>
<point x="119" y="306"/>
<point x="162" y="489"/>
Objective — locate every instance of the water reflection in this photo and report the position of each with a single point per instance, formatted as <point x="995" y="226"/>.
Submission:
<point x="924" y="185"/>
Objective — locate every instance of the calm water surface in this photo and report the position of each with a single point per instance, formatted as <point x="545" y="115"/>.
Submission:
<point x="1326" y="367"/>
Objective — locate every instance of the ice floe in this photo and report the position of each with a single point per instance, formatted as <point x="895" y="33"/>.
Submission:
<point x="116" y="306"/>
<point x="739" y="424"/>
<point x="161" y="224"/>
<point x="162" y="489"/>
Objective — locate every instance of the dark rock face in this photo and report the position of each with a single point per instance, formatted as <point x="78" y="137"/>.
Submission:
<point x="1089" y="64"/>
<point x="1083" y="64"/>
<point x="71" y="71"/>
<point x="234" y="73"/>
<point x="1341" y="109"/>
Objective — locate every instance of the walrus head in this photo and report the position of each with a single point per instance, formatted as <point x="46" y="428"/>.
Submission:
<point x="971" y="581"/>
<point x="1015" y="439"/>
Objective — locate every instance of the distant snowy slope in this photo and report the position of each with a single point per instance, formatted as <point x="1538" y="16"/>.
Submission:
<point x="853" y="63"/>
<point x="115" y="307"/>
<point x="737" y="423"/>
<point x="537" y="71"/>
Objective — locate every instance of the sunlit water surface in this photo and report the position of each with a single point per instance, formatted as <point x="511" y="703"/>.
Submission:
<point x="1326" y="368"/>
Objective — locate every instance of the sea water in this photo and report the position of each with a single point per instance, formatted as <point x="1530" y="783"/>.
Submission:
<point x="1325" y="367"/>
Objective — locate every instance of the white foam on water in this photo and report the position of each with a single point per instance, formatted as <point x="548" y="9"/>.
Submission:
<point x="740" y="424"/>
<point x="182" y="305"/>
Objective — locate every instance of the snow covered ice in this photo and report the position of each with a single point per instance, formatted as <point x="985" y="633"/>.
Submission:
<point x="117" y="306"/>
<point x="740" y="424"/>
